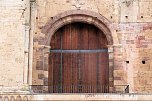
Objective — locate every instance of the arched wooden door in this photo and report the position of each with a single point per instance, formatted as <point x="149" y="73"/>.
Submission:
<point x="78" y="60"/>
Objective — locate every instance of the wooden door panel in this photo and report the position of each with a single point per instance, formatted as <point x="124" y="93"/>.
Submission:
<point x="103" y="71"/>
<point x="84" y="37"/>
<point x="54" y="72"/>
<point x="78" y="72"/>
<point x="56" y="40"/>
<point x="70" y="37"/>
<point x="89" y="72"/>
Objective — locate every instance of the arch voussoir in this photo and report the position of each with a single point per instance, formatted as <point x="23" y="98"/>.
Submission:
<point x="71" y="16"/>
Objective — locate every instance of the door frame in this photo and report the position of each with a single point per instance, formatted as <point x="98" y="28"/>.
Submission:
<point x="71" y="16"/>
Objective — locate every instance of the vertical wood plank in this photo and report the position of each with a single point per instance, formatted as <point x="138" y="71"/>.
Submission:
<point x="78" y="66"/>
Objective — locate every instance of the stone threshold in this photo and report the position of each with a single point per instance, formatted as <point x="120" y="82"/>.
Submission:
<point x="76" y="97"/>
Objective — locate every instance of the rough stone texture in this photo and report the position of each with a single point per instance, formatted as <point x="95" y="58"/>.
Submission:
<point x="130" y="26"/>
<point x="136" y="47"/>
<point x="13" y="20"/>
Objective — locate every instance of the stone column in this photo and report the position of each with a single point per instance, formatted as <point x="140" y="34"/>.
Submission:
<point x="111" y="68"/>
<point x="26" y="55"/>
<point x="32" y="14"/>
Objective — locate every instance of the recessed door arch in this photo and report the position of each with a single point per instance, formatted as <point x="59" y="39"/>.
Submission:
<point x="79" y="61"/>
<point x="71" y="16"/>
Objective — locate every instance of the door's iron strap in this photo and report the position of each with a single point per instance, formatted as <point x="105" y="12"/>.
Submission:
<point x="79" y="51"/>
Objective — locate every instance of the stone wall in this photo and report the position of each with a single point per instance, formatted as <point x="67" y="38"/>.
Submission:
<point x="130" y="25"/>
<point x="131" y="29"/>
<point x="136" y="49"/>
<point x="13" y="44"/>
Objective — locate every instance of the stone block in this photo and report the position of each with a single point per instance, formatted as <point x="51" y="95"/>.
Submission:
<point x="39" y="65"/>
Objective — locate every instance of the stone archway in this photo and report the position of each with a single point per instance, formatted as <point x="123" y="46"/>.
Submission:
<point x="72" y="16"/>
<point x="67" y="17"/>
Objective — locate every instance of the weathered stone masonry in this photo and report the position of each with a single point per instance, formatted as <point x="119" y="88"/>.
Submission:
<point x="129" y="35"/>
<point x="24" y="34"/>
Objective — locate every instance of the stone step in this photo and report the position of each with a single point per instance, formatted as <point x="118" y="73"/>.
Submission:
<point x="76" y="97"/>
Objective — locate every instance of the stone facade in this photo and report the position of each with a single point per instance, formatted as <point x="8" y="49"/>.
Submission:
<point x="14" y="44"/>
<point x="24" y="52"/>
